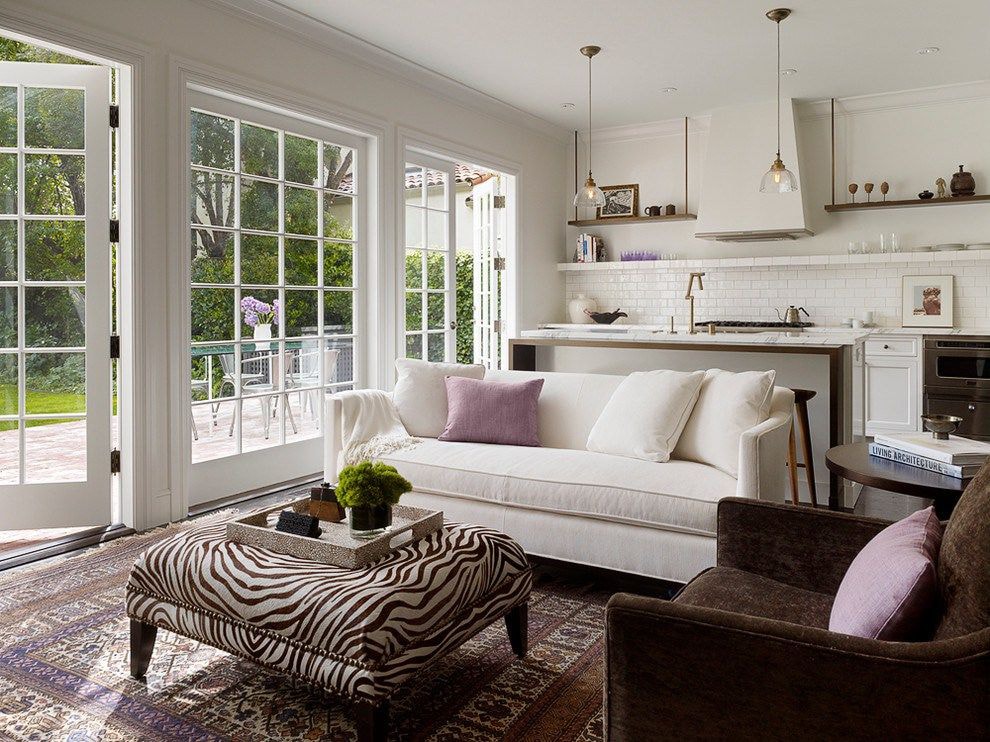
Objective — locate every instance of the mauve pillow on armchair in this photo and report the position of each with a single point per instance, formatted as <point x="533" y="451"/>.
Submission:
<point x="890" y="590"/>
<point x="481" y="411"/>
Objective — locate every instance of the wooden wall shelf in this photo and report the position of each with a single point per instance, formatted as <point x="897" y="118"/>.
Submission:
<point x="630" y="220"/>
<point x="909" y="203"/>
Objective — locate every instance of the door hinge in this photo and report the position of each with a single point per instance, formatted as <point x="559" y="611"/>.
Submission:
<point x="114" y="116"/>
<point x="114" y="347"/>
<point x="115" y="461"/>
<point x="499" y="264"/>
<point x="497" y="327"/>
<point x="499" y="202"/>
<point x="115" y="230"/>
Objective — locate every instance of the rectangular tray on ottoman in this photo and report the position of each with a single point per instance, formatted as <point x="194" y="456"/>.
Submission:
<point x="336" y="546"/>
<point x="358" y="633"/>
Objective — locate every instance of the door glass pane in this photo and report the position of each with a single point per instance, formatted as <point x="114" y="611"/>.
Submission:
<point x="415" y="190"/>
<point x="436" y="230"/>
<point x="338" y="168"/>
<point x="414" y="269"/>
<point x="8" y="388"/>
<point x="338" y="313"/>
<point x="339" y="360"/>
<point x="211" y="140"/>
<point x="8" y="250"/>
<point x="338" y="216"/>
<point x="8" y="117"/>
<point x="436" y="270"/>
<point x="300" y="211"/>
<point x="214" y="434"/>
<point x="261" y="422"/>
<point x="435" y="346"/>
<point x="259" y="151"/>
<point x="212" y="256"/>
<point x="259" y="259"/>
<point x="434" y="310"/>
<point x="54" y="250"/>
<point x="338" y="266"/>
<point x="54" y="317"/>
<point x="415" y="225"/>
<point x="436" y="189"/>
<point x="54" y="383"/>
<point x="10" y="453"/>
<point x="8" y="316"/>
<point x="300" y="160"/>
<point x="54" y="118"/>
<point x="301" y="262"/>
<point x="42" y="437"/>
<point x="8" y="184"/>
<point x="301" y="313"/>
<point x="54" y="184"/>
<point x="259" y="307"/>
<point x="212" y="314"/>
<point x="211" y="201"/>
<point x="259" y="205"/>
<point x="414" y="346"/>
<point x="414" y="310"/>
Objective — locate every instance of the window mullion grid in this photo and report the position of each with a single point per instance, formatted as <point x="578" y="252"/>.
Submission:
<point x="21" y="371"/>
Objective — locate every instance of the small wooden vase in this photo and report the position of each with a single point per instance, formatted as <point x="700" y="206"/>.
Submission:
<point x="323" y="504"/>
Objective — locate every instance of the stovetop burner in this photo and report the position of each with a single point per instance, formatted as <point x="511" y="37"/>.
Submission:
<point x="740" y="323"/>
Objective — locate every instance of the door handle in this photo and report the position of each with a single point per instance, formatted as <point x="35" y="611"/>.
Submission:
<point x="971" y="407"/>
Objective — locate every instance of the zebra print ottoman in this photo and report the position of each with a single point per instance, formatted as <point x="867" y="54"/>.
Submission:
<point x="357" y="633"/>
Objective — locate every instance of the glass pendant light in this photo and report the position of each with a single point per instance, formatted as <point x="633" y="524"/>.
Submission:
<point x="589" y="196"/>
<point x="778" y="179"/>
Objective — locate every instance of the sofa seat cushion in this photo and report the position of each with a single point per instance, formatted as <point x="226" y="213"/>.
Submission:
<point x="730" y="589"/>
<point x="675" y="495"/>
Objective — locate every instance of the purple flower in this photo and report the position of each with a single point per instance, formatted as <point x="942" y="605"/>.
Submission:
<point x="258" y="312"/>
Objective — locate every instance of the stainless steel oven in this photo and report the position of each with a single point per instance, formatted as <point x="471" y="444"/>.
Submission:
<point x="957" y="381"/>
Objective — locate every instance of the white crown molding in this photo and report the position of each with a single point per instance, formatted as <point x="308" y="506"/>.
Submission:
<point x="898" y="100"/>
<point x="333" y="41"/>
<point x="652" y="130"/>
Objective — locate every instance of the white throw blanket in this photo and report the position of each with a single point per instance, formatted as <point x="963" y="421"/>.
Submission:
<point x="370" y="427"/>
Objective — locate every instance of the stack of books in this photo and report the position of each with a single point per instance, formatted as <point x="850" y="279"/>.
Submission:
<point x="590" y="249"/>
<point x="956" y="457"/>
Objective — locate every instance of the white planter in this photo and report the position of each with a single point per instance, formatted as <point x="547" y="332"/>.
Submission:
<point x="262" y="334"/>
<point x="578" y="308"/>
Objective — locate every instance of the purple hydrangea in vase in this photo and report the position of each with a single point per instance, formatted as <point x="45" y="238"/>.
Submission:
<point x="260" y="316"/>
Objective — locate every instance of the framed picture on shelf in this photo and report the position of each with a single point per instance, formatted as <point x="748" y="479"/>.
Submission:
<point x="620" y="200"/>
<point x="926" y="301"/>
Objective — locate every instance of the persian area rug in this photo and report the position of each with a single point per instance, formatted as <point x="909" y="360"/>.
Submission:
<point x="64" y="671"/>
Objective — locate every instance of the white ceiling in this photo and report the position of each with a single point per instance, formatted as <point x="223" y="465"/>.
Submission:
<point x="716" y="52"/>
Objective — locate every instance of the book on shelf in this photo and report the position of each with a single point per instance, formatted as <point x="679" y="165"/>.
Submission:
<point x="590" y="248"/>
<point x="955" y="450"/>
<point x="921" y="462"/>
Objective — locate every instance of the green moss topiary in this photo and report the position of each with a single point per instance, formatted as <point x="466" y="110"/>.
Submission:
<point x="370" y="484"/>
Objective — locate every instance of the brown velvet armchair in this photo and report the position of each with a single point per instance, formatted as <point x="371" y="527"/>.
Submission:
<point x="743" y="651"/>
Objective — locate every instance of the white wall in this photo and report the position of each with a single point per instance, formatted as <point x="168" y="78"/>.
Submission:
<point x="163" y="39"/>
<point x="907" y="139"/>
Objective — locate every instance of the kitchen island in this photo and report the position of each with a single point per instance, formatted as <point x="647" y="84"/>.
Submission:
<point x="826" y="360"/>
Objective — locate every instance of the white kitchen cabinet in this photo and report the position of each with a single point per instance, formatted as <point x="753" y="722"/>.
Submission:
<point x="893" y="384"/>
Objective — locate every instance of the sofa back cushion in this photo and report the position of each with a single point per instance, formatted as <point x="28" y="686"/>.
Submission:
<point x="421" y="397"/>
<point x="646" y="414"/>
<point x="890" y="590"/>
<point x="729" y="404"/>
<point x="964" y="562"/>
<point x="569" y="403"/>
<point x="486" y="411"/>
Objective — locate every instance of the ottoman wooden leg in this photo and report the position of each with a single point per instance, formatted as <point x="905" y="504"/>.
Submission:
<point x="142" y="643"/>
<point x="372" y="722"/>
<point x="517" y="626"/>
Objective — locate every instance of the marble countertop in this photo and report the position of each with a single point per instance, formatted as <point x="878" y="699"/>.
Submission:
<point x="812" y="336"/>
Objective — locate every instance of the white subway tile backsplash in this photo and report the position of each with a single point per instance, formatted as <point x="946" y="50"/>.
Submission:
<point x="750" y="290"/>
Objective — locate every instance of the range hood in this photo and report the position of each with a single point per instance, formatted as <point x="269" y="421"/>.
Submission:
<point x="741" y="145"/>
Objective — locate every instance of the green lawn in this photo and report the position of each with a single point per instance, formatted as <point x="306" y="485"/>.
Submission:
<point x="40" y="403"/>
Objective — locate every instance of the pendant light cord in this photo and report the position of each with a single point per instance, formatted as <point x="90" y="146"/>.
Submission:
<point x="778" y="90"/>
<point x="589" y="116"/>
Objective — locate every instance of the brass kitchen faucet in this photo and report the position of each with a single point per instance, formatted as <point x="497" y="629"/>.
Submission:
<point x="690" y="297"/>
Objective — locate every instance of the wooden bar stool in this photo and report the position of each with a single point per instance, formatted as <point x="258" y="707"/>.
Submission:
<point x="801" y="397"/>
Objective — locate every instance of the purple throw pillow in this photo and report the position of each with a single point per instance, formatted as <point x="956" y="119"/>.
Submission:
<point x="480" y="411"/>
<point x="890" y="590"/>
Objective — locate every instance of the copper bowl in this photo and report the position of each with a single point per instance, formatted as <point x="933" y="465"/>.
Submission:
<point x="941" y="425"/>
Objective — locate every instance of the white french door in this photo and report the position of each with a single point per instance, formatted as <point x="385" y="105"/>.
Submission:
<point x="276" y="265"/>
<point x="55" y="296"/>
<point x="429" y="259"/>
<point x="489" y="266"/>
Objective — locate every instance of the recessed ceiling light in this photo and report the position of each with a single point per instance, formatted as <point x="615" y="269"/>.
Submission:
<point x="668" y="90"/>
<point x="567" y="105"/>
<point x="788" y="72"/>
<point x="928" y="50"/>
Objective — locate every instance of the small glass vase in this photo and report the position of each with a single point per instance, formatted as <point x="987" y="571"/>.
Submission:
<point x="368" y="522"/>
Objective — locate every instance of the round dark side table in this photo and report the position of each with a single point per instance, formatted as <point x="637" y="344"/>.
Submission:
<point x="853" y="462"/>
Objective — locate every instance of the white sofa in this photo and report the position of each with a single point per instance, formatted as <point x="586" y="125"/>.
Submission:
<point x="565" y="502"/>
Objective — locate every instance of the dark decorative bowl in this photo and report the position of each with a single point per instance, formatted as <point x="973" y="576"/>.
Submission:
<point x="925" y="195"/>
<point x="606" y="318"/>
<point x="941" y="425"/>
